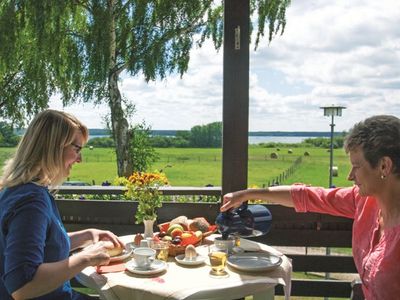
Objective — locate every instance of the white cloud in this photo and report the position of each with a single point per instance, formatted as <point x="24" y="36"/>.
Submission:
<point x="332" y="52"/>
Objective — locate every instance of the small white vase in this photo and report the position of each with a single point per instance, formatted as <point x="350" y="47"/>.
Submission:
<point x="148" y="228"/>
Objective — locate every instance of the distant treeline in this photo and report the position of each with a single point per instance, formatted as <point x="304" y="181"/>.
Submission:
<point x="201" y="136"/>
<point x="259" y="133"/>
<point x="106" y="132"/>
<point x="295" y="133"/>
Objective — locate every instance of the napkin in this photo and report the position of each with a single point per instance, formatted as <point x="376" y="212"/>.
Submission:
<point x="252" y="246"/>
<point x="111" y="268"/>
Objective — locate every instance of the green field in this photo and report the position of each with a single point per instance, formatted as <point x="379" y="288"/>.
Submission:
<point x="199" y="167"/>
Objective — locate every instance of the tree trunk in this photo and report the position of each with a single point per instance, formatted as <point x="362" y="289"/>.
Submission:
<point x="119" y="124"/>
<point x="120" y="129"/>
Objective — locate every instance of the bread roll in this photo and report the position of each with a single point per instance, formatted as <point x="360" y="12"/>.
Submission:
<point x="200" y="224"/>
<point x="115" y="251"/>
<point x="181" y="220"/>
<point x="112" y="250"/>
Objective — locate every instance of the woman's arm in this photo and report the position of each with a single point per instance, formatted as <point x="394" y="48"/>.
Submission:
<point x="335" y="201"/>
<point x="277" y="194"/>
<point x="86" y="237"/>
<point x="50" y="276"/>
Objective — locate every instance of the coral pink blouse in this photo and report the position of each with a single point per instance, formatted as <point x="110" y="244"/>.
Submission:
<point x="377" y="259"/>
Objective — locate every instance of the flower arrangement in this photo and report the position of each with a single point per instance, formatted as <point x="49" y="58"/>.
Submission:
<point x="144" y="187"/>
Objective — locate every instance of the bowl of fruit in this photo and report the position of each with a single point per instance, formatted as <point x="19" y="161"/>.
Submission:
<point x="181" y="232"/>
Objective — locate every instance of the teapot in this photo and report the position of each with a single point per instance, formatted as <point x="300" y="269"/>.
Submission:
<point x="244" y="221"/>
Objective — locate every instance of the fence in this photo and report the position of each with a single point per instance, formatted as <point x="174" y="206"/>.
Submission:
<point x="285" y="174"/>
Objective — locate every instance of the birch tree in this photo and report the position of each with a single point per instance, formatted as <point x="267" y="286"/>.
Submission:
<point x="79" y="49"/>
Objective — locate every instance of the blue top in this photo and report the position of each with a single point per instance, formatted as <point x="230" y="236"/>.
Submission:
<point x="31" y="234"/>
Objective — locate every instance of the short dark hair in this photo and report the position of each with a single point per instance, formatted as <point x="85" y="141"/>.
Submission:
<point x="377" y="136"/>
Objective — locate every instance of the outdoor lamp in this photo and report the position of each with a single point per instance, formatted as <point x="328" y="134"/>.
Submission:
<point x="332" y="111"/>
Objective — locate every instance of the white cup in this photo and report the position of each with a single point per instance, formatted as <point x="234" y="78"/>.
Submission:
<point x="144" y="257"/>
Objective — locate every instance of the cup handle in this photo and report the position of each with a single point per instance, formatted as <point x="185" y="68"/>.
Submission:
<point x="151" y="259"/>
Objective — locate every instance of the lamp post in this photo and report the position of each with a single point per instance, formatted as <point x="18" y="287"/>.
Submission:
<point x="332" y="111"/>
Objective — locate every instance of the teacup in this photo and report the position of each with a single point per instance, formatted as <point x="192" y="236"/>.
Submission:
<point x="144" y="257"/>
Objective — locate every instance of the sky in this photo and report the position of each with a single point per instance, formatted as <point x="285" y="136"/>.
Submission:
<point x="342" y="52"/>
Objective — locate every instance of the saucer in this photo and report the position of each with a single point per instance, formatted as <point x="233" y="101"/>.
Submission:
<point x="190" y="262"/>
<point x="156" y="267"/>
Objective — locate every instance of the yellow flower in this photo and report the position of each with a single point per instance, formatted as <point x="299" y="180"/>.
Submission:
<point x="143" y="187"/>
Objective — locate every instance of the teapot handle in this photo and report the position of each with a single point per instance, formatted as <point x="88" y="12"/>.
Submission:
<point x="242" y="207"/>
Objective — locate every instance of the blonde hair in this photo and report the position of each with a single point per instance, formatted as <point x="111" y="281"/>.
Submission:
<point x="39" y="155"/>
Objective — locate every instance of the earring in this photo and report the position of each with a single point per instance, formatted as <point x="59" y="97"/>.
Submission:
<point x="383" y="177"/>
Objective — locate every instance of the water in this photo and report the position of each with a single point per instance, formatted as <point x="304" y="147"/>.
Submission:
<point x="97" y="136"/>
<point x="276" y="139"/>
<point x="257" y="139"/>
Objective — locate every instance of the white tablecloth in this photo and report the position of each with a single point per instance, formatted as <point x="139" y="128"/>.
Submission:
<point x="187" y="282"/>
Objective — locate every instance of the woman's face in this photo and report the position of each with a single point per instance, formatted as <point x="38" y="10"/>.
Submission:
<point x="368" y="179"/>
<point x="72" y="152"/>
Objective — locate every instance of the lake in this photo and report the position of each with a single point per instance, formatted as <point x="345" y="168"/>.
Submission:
<point x="276" y="139"/>
<point x="258" y="139"/>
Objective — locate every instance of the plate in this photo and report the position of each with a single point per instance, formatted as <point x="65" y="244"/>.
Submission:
<point x="254" y="262"/>
<point x="124" y="255"/>
<point x="156" y="267"/>
<point x="198" y="261"/>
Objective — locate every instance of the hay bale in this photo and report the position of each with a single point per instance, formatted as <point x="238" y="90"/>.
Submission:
<point x="290" y="151"/>
<point x="335" y="171"/>
<point x="306" y="153"/>
<point x="274" y="155"/>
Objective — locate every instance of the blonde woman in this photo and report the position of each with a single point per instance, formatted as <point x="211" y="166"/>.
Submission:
<point x="35" y="261"/>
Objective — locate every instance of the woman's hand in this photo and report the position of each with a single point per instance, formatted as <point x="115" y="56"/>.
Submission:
<point x="83" y="238"/>
<point x="105" y="235"/>
<point x="96" y="254"/>
<point x="233" y="200"/>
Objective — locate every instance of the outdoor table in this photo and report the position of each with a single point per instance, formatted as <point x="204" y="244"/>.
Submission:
<point x="190" y="282"/>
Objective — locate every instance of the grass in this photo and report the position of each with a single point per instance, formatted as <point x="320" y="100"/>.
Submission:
<point x="200" y="167"/>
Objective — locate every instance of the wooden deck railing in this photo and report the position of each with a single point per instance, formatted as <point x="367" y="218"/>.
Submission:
<point x="288" y="229"/>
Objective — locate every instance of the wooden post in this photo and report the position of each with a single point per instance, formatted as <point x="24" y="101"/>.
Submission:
<point x="235" y="114"/>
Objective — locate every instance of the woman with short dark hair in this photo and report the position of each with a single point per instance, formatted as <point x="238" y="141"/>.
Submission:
<point x="373" y="202"/>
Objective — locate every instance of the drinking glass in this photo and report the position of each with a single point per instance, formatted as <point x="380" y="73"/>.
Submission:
<point x="162" y="249"/>
<point x="218" y="258"/>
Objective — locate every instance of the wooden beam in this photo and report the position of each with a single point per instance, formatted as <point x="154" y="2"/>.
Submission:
<point x="235" y="95"/>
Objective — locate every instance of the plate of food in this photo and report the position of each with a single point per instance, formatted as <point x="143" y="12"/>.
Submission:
<point x="120" y="253"/>
<point x="254" y="261"/>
